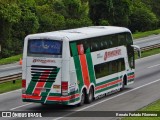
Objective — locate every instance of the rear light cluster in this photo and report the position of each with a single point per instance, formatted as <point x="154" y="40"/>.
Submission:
<point x="64" y="88"/>
<point x="23" y="86"/>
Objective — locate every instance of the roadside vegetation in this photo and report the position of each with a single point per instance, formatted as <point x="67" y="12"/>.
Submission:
<point x="10" y="59"/>
<point x="145" y="34"/>
<point x="155" y="106"/>
<point x="9" y="86"/>
<point x="148" y="53"/>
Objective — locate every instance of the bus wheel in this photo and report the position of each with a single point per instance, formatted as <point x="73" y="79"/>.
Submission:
<point x="123" y="83"/>
<point x="82" y="98"/>
<point x="90" y="95"/>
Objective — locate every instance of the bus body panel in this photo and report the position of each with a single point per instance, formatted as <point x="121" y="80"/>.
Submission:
<point x="51" y="80"/>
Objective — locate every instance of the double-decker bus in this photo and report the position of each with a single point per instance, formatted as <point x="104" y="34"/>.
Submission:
<point x="77" y="65"/>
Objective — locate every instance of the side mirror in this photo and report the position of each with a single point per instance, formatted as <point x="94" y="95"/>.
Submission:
<point x="138" y="49"/>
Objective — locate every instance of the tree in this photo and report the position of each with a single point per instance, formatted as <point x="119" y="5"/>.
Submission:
<point x="116" y="12"/>
<point x="142" y="18"/>
<point x="154" y="5"/>
<point x="9" y="15"/>
<point x="49" y="20"/>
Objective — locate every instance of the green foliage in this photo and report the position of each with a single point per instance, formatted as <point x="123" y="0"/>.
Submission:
<point x="142" y="18"/>
<point x="116" y="12"/>
<point x="11" y="59"/>
<point x="145" y="34"/>
<point x="103" y="22"/>
<point x="9" y="86"/>
<point x="74" y="23"/>
<point x="19" y="18"/>
<point x="49" y="20"/>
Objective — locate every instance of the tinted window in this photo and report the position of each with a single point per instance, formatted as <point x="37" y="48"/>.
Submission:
<point x="108" y="68"/>
<point x="44" y="47"/>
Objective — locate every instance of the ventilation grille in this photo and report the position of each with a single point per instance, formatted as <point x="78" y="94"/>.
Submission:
<point x="44" y="73"/>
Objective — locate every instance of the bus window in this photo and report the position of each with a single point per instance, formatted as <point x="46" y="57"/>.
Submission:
<point x="86" y="45"/>
<point x="122" y="64"/>
<point x="122" y="39"/>
<point x="129" y="39"/>
<point x="44" y="48"/>
<point x="114" y="40"/>
<point x="114" y="67"/>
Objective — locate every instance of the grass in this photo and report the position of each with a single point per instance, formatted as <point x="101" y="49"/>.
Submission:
<point x="145" y="34"/>
<point x="10" y="59"/>
<point x="148" y="53"/>
<point x="151" y="107"/>
<point x="9" y="86"/>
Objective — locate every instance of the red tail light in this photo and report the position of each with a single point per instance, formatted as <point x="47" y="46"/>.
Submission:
<point x="64" y="88"/>
<point x="23" y="83"/>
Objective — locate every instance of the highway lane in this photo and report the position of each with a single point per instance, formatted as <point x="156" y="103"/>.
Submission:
<point x="147" y="41"/>
<point x="10" y="69"/>
<point x="144" y="91"/>
<point x="16" y="68"/>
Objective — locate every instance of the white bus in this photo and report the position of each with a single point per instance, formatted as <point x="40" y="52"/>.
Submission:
<point x="77" y="65"/>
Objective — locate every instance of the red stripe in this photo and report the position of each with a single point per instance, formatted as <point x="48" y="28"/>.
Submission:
<point x="40" y="85"/>
<point x="130" y="77"/>
<point x="24" y="96"/>
<point x="85" y="70"/>
<point x="65" y="98"/>
<point x="108" y="84"/>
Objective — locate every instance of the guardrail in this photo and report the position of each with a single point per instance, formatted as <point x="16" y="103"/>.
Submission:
<point x="19" y="75"/>
<point x="150" y="47"/>
<point x="11" y="78"/>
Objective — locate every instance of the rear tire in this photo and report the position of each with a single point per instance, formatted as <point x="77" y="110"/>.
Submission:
<point x="90" y="95"/>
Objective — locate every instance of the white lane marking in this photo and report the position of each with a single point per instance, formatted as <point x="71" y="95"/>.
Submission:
<point x="154" y="66"/>
<point x="108" y="99"/>
<point x="21" y="106"/>
<point x="9" y="92"/>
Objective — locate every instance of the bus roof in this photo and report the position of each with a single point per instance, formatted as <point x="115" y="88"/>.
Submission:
<point x="81" y="33"/>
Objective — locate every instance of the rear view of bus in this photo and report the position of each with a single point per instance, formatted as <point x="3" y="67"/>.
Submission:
<point x="42" y="63"/>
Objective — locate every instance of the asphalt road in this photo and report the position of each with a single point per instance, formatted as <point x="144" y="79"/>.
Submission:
<point x="10" y="69"/>
<point x="144" y="91"/>
<point x="16" y="68"/>
<point x="147" y="41"/>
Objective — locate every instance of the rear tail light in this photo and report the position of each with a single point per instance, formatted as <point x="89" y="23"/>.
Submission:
<point x="23" y="83"/>
<point x="64" y="88"/>
<point x="23" y="86"/>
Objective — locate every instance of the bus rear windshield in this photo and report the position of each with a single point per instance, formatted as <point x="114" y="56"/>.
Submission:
<point x="44" y="47"/>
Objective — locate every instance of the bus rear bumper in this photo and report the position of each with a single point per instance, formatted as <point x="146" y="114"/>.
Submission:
<point x="64" y="100"/>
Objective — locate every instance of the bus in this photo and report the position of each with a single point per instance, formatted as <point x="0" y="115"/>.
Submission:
<point x="76" y="66"/>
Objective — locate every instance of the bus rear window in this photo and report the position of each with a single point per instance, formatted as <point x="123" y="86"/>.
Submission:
<point x="42" y="47"/>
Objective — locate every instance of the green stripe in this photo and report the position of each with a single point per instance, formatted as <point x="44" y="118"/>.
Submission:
<point x="90" y="67"/>
<point x="107" y="81"/>
<point x="56" y="102"/>
<point x="74" y="92"/>
<point x="32" y="84"/>
<point x="132" y="73"/>
<point x="74" y="100"/>
<point x="48" y="86"/>
<point x="107" y="88"/>
<point x="77" y="64"/>
<point x="55" y="94"/>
